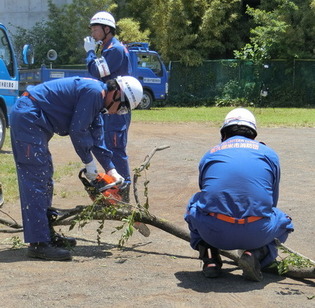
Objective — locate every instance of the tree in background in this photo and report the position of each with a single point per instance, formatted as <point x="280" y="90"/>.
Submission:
<point x="129" y="31"/>
<point x="222" y="29"/>
<point x="191" y="31"/>
<point x="282" y="29"/>
<point x="186" y="30"/>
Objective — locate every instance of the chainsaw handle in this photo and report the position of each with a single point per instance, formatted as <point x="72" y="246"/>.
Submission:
<point x="81" y="172"/>
<point x="110" y="185"/>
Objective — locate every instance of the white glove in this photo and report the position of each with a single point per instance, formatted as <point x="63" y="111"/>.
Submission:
<point x="89" y="43"/>
<point x="116" y="176"/>
<point x="91" y="171"/>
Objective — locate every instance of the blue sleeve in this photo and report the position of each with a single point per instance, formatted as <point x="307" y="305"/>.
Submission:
<point x="86" y="129"/>
<point x="114" y="58"/>
<point x="92" y="68"/>
<point x="99" y="149"/>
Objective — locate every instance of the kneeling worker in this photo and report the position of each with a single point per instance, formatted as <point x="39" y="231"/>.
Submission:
<point x="236" y="205"/>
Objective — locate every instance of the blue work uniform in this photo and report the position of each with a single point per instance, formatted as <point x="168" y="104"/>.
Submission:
<point x="116" y="126"/>
<point x="68" y="106"/>
<point x="238" y="178"/>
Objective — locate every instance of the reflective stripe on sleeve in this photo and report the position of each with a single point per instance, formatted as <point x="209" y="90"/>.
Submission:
<point x="102" y="67"/>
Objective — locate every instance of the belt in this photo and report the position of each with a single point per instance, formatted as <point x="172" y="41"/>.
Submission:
<point x="29" y="96"/>
<point x="233" y="220"/>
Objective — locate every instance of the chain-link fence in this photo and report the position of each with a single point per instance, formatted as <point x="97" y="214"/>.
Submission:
<point x="276" y="83"/>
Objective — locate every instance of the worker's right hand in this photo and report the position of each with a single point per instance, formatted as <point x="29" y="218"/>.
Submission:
<point x="91" y="171"/>
<point x="116" y="176"/>
<point x="89" y="43"/>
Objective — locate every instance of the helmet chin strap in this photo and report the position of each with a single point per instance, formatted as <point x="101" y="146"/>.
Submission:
<point x="99" y="43"/>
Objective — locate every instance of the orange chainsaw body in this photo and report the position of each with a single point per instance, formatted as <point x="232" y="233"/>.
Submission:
<point x="112" y="193"/>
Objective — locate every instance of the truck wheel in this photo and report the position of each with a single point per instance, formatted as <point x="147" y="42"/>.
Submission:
<point x="2" y="128"/>
<point x="146" y="101"/>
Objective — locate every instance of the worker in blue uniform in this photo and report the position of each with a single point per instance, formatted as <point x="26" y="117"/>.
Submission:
<point x="69" y="106"/>
<point x="236" y="207"/>
<point x="108" y="58"/>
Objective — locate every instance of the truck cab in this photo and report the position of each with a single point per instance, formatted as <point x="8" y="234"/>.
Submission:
<point x="9" y="81"/>
<point x="149" y="69"/>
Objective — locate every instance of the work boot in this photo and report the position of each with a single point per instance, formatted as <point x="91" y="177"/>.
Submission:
<point x="61" y="241"/>
<point x="57" y="239"/>
<point x="250" y="265"/>
<point x="211" y="266"/>
<point x="47" y="251"/>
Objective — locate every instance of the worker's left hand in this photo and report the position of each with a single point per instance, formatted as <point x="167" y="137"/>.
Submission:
<point x="116" y="176"/>
<point x="91" y="170"/>
<point x="89" y="43"/>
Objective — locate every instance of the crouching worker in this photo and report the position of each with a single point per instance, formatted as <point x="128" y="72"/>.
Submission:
<point x="236" y="205"/>
<point x="69" y="106"/>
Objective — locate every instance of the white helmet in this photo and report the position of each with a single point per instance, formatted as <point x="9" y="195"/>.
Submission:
<point x="240" y="116"/>
<point x="103" y="18"/>
<point x="132" y="89"/>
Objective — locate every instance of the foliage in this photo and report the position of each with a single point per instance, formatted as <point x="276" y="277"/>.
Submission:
<point x="282" y="29"/>
<point x="221" y="30"/>
<point x="234" y="102"/>
<point x="89" y="213"/>
<point x="186" y="30"/>
<point x="191" y="31"/>
<point x="130" y="31"/>
<point x="292" y="260"/>
<point x="16" y="242"/>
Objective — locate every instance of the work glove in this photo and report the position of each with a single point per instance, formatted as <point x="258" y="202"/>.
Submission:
<point x="116" y="176"/>
<point x="91" y="171"/>
<point x="89" y="43"/>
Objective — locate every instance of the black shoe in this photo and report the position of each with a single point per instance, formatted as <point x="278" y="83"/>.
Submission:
<point x="47" y="251"/>
<point x="212" y="267"/>
<point x="57" y="239"/>
<point x="61" y="241"/>
<point x="250" y="266"/>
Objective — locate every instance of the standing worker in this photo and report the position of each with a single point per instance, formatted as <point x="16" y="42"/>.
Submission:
<point x="68" y="106"/>
<point x="113" y="62"/>
<point x="236" y="205"/>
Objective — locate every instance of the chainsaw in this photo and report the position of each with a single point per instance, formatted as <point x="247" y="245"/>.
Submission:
<point x="103" y="185"/>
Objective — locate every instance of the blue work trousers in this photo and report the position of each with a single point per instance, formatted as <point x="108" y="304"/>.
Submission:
<point x="116" y="141"/>
<point x="30" y="134"/>
<point x="229" y="236"/>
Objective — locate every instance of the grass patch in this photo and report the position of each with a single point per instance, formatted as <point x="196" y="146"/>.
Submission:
<point x="8" y="176"/>
<point x="266" y="117"/>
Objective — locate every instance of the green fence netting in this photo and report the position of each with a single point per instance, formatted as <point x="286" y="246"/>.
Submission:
<point x="276" y="83"/>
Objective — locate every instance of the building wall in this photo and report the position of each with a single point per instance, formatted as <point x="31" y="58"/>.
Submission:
<point x="25" y="13"/>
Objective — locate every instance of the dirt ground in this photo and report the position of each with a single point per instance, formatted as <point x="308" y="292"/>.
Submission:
<point x="162" y="270"/>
